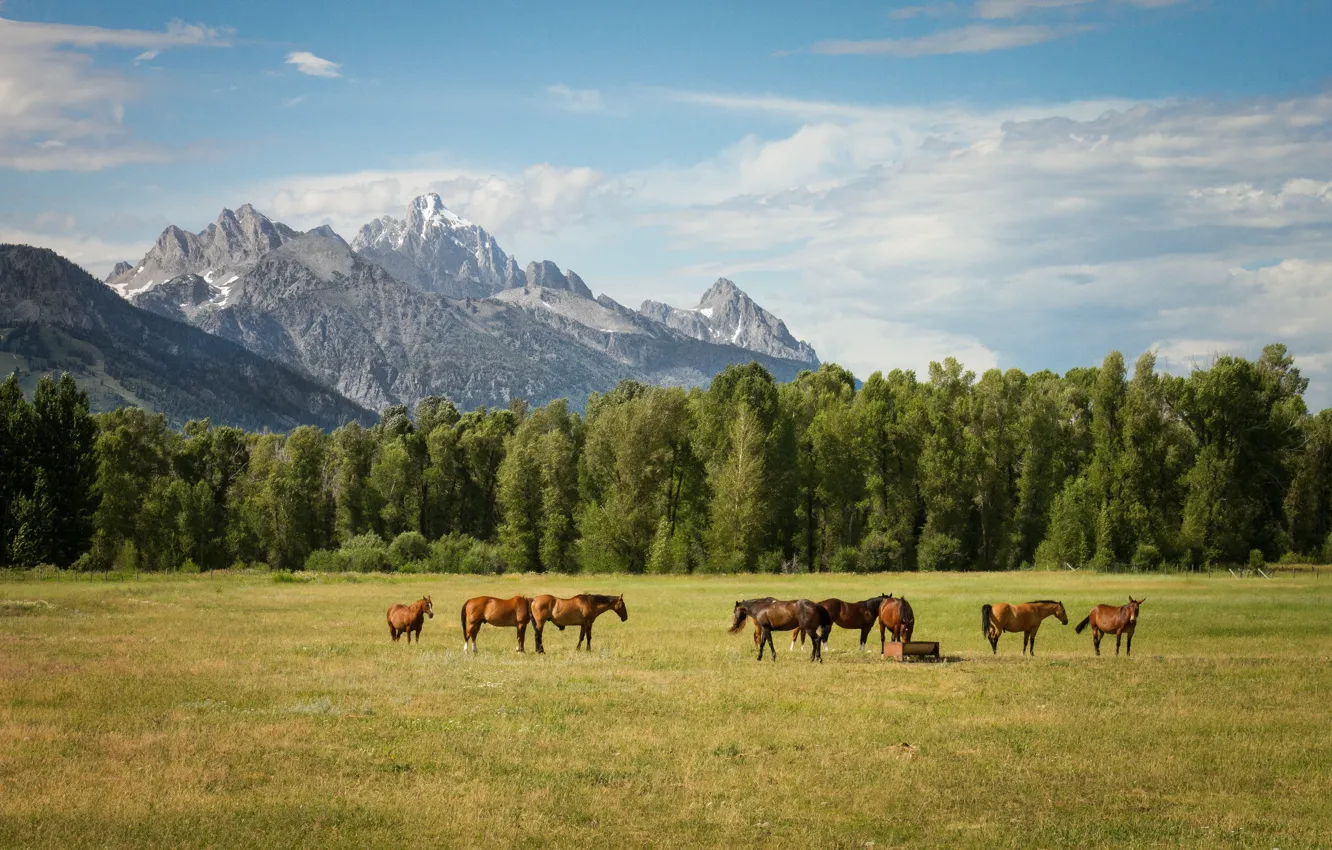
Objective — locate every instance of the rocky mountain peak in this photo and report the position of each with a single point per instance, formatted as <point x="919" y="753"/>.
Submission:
<point x="547" y="275"/>
<point x="726" y="314"/>
<point x="120" y="268"/>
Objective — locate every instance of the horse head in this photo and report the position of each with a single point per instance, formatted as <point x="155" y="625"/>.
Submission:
<point x="619" y="608"/>
<point x="738" y="617"/>
<point x="1133" y="608"/>
<point x="1059" y="612"/>
<point x="429" y="608"/>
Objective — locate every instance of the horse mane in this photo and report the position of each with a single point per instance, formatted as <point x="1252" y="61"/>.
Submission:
<point x="1044" y="602"/>
<point x="602" y="598"/>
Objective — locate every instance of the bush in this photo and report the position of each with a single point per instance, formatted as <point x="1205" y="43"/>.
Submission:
<point x="880" y="553"/>
<point x="324" y="561"/>
<point x="844" y="560"/>
<point x="369" y="540"/>
<point x="1147" y="557"/>
<point x="408" y="546"/>
<point x="190" y="567"/>
<point x="415" y="567"/>
<point x="448" y="553"/>
<point x="484" y="559"/>
<point x="669" y="552"/>
<point x="939" y="552"/>
<point x="1256" y="559"/>
<point x="771" y="562"/>
<point x="369" y="560"/>
<point x="1296" y="559"/>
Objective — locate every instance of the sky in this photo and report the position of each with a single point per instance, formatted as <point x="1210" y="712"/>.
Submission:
<point x="1016" y="183"/>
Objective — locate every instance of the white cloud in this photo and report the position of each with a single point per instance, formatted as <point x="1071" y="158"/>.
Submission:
<point x="977" y="38"/>
<point x="147" y="56"/>
<point x="575" y="100"/>
<point x="59" y="110"/>
<point x="308" y="63"/>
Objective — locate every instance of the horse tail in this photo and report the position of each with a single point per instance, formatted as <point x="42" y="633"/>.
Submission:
<point x="985" y="619"/>
<point x="462" y="617"/>
<point x="1083" y="624"/>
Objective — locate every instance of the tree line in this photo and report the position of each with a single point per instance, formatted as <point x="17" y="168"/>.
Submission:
<point x="1093" y="467"/>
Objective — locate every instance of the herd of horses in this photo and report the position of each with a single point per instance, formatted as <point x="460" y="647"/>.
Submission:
<point x="803" y="617"/>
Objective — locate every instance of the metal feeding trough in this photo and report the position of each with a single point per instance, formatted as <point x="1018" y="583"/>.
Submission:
<point x="922" y="650"/>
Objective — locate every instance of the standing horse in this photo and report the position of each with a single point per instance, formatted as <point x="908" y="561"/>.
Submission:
<point x="409" y="618"/>
<point x="850" y="615"/>
<point x="1026" y="618"/>
<point x="581" y="610"/>
<point x="771" y="615"/>
<point x="896" y="616"/>
<point x="1113" y="620"/>
<point x="497" y="612"/>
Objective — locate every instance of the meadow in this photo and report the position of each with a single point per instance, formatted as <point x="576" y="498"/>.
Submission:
<point x="241" y="711"/>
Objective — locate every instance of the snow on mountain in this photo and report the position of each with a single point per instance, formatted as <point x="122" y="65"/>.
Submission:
<point x="725" y="314"/>
<point x="439" y="251"/>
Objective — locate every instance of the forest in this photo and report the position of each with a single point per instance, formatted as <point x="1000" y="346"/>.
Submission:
<point x="1098" y="467"/>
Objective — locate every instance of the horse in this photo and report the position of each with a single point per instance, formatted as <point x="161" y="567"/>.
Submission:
<point x="408" y="618"/>
<point x="850" y="615"/>
<point x="581" y="610"/>
<point x="497" y="612"/>
<point x="1116" y="620"/>
<point x="896" y="616"/>
<point x="1026" y="618"/>
<point x="772" y="615"/>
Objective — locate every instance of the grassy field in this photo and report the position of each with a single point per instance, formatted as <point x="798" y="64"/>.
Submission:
<point x="238" y="711"/>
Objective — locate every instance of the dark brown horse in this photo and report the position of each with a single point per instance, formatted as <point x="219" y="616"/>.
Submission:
<point x="860" y="615"/>
<point x="895" y="616"/>
<point x="409" y="618"/>
<point x="1112" y="620"/>
<point x="1026" y="618"/>
<point x="506" y="613"/>
<point x="771" y="615"/>
<point x="581" y="610"/>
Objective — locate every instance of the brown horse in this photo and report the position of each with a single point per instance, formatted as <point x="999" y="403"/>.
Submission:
<point x="860" y="615"/>
<point x="1112" y="620"/>
<point x="581" y="610"/>
<point x="1026" y="618"/>
<point x="497" y="612"/>
<point x="896" y="616"/>
<point x="409" y="618"/>
<point x="771" y="615"/>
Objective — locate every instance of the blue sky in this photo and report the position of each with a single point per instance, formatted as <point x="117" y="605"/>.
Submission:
<point x="1020" y="183"/>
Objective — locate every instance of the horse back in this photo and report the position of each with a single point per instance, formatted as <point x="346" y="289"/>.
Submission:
<point x="1109" y="618"/>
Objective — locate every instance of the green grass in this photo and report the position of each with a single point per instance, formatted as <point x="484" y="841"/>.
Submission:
<point x="238" y="711"/>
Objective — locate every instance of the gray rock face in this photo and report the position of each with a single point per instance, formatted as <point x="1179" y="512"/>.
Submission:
<point x="316" y="305"/>
<point x="547" y="275"/>
<point x="233" y="242"/>
<point x="123" y="355"/>
<point x="435" y="250"/>
<point x="725" y="314"/>
<point x="120" y="268"/>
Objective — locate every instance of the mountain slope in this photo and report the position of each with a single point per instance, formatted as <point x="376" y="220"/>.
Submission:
<point x="725" y="314"/>
<point x="54" y="317"/>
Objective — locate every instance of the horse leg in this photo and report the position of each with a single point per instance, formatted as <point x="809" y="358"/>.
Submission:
<point x="1096" y="639"/>
<point x="1119" y="636"/>
<point x="522" y="636"/>
<point x="537" y="626"/>
<point x="818" y="646"/>
<point x="589" y="637"/>
<point x="1129" y="649"/>
<point x="393" y="633"/>
<point x="772" y="650"/>
<point x="764" y="635"/>
<point x="883" y="639"/>
<point x="864" y="637"/>
<point x="795" y="634"/>
<point x="1033" y="642"/>
<point x="994" y="641"/>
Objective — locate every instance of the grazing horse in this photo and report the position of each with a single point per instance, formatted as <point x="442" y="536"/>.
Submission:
<point x="860" y="615"/>
<point x="771" y="615"/>
<point x="581" y="610"/>
<point x="497" y="612"/>
<point x="408" y="618"/>
<point x="896" y="616"/>
<point x="1026" y="618"/>
<point x="1113" y="620"/>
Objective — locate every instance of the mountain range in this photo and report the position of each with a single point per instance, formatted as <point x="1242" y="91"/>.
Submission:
<point x="427" y="305"/>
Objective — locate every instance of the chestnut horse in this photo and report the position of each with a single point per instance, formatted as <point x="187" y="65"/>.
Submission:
<point x="896" y="616"/>
<point x="1026" y="618"/>
<point x="497" y="612"/>
<point x="408" y="618"/>
<point x="860" y="615"/>
<point x="581" y="610"/>
<point x="771" y="615"/>
<point x="1112" y="620"/>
